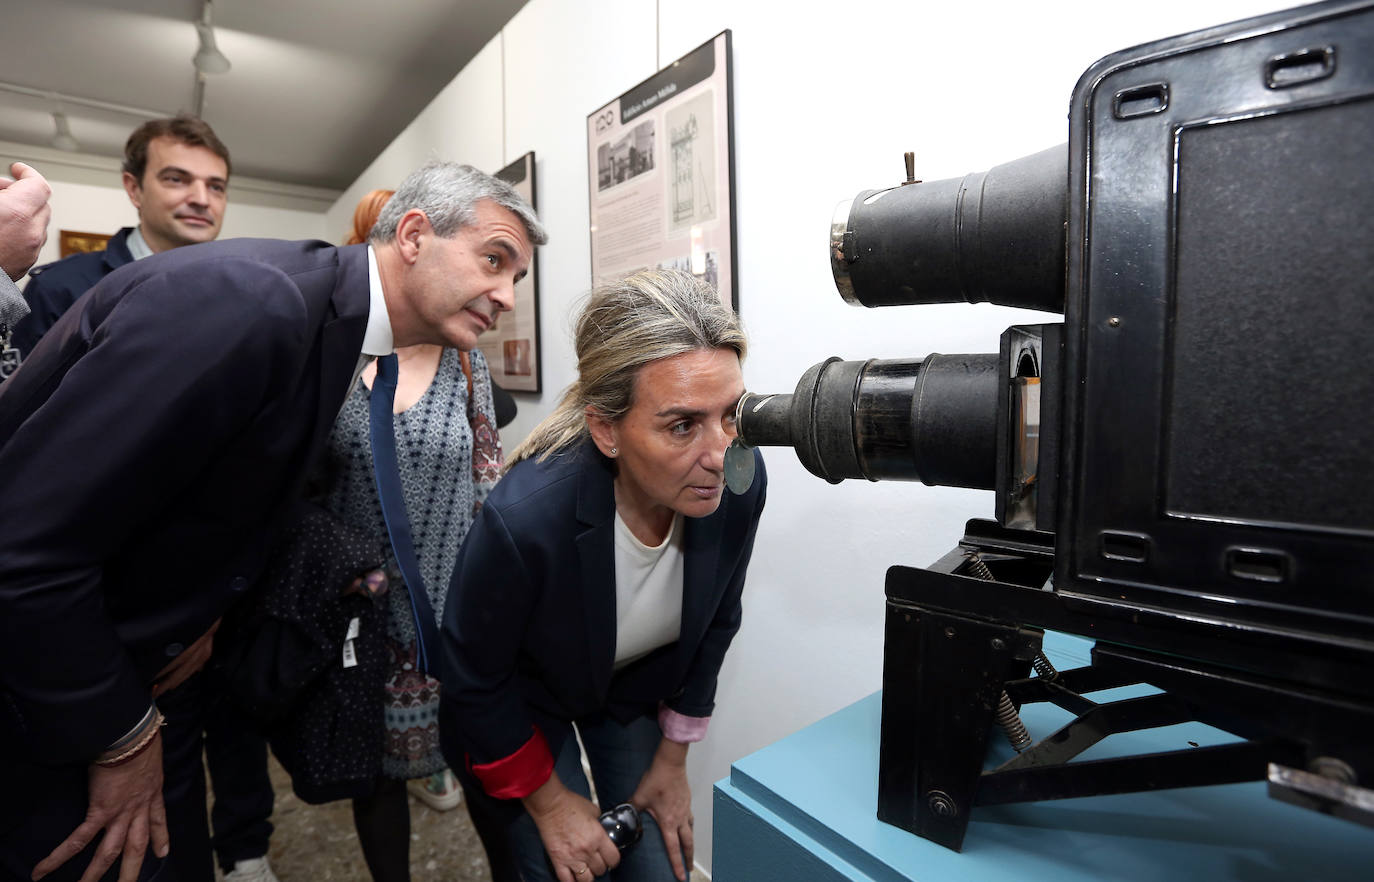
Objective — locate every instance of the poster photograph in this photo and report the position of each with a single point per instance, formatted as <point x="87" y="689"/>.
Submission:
<point x="511" y="346"/>
<point x="661" y="172"/>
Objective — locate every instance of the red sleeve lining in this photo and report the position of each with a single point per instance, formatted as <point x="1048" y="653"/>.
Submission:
<point x="519" y="774"/>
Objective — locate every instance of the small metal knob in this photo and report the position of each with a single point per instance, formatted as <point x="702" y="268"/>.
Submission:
<point x="910" y="159"/>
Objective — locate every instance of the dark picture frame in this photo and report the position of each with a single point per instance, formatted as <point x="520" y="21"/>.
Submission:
<point x="512" y="347"/>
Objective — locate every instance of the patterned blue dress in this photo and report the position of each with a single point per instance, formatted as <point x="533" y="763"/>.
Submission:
<point x="449" y="455"/>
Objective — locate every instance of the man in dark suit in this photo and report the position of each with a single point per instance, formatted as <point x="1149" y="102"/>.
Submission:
<point x="176" y="175"/>
<point x="154" y="442"/>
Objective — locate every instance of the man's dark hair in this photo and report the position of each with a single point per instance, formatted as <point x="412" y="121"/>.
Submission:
<point x="190" y="130"/>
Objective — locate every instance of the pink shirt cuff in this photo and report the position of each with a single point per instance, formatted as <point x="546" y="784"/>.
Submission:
<point x="679" y="727"/>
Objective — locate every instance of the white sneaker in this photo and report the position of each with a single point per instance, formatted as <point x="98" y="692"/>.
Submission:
<point x="439" y="791"/>
<point x="251" y="870"/>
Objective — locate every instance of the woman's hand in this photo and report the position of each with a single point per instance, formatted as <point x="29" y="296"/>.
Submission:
<point x="664" y="793"/>
<point x="577" y="846"/>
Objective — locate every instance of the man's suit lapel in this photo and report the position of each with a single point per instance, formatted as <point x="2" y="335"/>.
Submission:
<point x="596" y="556"/>
<point x="345" y="321"/>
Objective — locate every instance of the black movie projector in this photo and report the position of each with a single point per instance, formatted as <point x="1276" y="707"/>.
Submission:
<point x="1182" y="468"/>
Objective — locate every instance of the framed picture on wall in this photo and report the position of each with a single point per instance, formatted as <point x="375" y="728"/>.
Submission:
<point x="72" y="242"/>
<point x="512" y="346"/>
<point x="661" y="173"/>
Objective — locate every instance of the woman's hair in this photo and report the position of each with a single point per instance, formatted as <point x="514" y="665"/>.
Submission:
<point x="365" y="215"/>
<point x="644" y="317"/>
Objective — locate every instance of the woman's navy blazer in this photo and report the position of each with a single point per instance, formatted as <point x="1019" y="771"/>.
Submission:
<point x="529" y="625"/>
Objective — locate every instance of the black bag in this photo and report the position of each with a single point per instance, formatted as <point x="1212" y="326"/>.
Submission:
<point x="307" y="662"/>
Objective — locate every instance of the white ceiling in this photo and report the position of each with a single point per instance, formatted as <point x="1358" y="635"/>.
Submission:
<point x="318" y="87"/>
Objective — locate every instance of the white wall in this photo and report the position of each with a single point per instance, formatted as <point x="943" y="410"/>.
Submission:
<point x="462" y="123"/>
<point x="826" y="100"/>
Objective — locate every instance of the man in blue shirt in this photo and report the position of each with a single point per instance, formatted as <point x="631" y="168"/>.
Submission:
<point x="176" y="172"/>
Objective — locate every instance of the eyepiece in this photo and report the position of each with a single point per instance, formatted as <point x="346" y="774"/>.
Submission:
<point x="932" y="420"/>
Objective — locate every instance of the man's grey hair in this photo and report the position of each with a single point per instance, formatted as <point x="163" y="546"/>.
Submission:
<point x="448" y="194"/>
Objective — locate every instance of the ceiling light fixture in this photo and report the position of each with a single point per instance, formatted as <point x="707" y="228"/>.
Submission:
<point x="63" y="139"/>
<point x="208" y="59"/>
<point x="198" y="95"/>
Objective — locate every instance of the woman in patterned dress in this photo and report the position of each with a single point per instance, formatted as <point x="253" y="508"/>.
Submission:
<point x="449" y="455"/>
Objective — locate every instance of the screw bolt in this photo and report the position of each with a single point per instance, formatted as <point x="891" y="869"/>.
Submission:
<point x="941" y="805"/>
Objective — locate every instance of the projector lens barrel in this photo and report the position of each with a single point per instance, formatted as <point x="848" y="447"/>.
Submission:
<point x="932" y="420"/>
<point x="992" y="237"/>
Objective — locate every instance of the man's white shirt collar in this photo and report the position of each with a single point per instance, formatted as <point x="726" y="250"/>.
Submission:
<point x="378" y="339"/>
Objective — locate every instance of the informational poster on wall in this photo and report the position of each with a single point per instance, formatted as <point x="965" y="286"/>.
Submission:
<point x="661" y="169"/>
<point x="512" y="346"/>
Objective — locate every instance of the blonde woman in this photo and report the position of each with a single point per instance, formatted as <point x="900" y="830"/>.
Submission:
<point x="600" y="586"/>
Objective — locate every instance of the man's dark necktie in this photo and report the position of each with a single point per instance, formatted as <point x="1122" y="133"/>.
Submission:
<point x="394" y="510"/>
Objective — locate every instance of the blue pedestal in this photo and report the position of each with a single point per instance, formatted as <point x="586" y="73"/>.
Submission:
<point x="804" y="810"/>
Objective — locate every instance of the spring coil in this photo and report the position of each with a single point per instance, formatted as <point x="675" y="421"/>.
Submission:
<point x="1007" y="717"/>
<point x="1010" y="721"/>
<point x="1043" y="667"/>
<point x="977" y="568"/>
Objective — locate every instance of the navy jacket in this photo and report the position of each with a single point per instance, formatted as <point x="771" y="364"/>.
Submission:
<point x="150" y="445"/>
<point x="54" y="287"/>
<point x="529" y="625"/>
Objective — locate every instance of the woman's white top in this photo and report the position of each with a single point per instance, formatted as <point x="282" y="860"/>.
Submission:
<point x="648" y="592"/>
